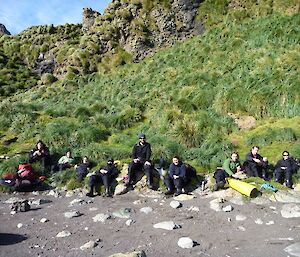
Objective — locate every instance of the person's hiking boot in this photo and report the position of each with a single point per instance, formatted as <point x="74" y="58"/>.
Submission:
<point x="90" y="194"/>
<point x="215" y="188"/>
<point x="169" y="192"/>
<point x="178" y="192"/>
<point x="107" y="193"/>
<point x="289" y="184"/>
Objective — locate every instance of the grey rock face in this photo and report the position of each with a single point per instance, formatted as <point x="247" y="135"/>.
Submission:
<point x="3" y="30"/>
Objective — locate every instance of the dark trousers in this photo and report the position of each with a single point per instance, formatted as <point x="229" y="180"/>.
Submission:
<point x="60" y="167"/>
<point x="97" y="180"/>
<point x="172" y="183"/>
<point x="220" y="175"/>
<point x="133" y="168"/>
<point x="280" y="175"/>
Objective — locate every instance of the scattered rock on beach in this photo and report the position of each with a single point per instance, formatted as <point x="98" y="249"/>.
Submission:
<point x="185" y="242"/>
<point x="72" y="214"/>
<point x="88" y="245"/>
<point x="146" y="210"/>
<point x="63" y="233"/>
<point x="101" y="217"/>
<point x="175" y="204"/>
<point x="167" y="225"/>
<point x="290" y="211"/>
<point x="133" y="254"/>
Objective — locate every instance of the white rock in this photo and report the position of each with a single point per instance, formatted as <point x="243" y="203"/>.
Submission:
<point x="240" y="217"/>
<point x="120" y="189"/>
<point x="13" y="212"/>
<point x="215" y="205"/>
<point x="293" y="249"/>
<point x="259" y="222"/>
<point x="129" y="222"/>
<point x="53" y="193"/>
<point x="241" y="228"/>
<point x="184" y="197"/>
<point x="146" y="210"/>
<point x="132" y="254"/>
<point x="43" y="220"/>
<point x="72" y="214"/>
<point x="194" y="208"/>
<point x="19" y="225"/>
<point x="93" y="209"/>
<point x="260" y="201"/>
<point x="168" y="225"/>
<point x="101" y="217"/>
<point x="12" y="200"/>
<point x="88" y="245"/>
<point x="185" y="242"/>
<point x="227" y="208"/>
<point x="175" y="204"/>
<point x="271" y="222"/>
<point x="76" y="202"/>
<point x="238" y="200"/>
<point x="136" y="202"/>
<point x="63" y="233"/>
<point x="69" y="193"/>
<point x="40" y="201"/>
<point x="290" y="211"/>
<point x="287" y="196"/>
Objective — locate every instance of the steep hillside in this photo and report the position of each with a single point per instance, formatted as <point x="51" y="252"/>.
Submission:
<point x="184" y="98"/>
<point x="128" y="31"/>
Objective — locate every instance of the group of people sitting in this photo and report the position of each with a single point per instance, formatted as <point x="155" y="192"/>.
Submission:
<point x="257" y="166"/>
<point x="178" y="176"/>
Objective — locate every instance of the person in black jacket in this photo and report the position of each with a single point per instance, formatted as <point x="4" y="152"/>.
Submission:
<point x="82" y="169"/>
<point x="105" y="176"/>
<point x="141" y="154"/>
<point x="176" y="175"/>
<point x="40" y="153"/>
<point x="285" y="168"/>
<point x="255" y="165"/>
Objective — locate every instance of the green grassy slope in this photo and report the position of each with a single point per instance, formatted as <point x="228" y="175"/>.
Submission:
<point x="180" y="98"/>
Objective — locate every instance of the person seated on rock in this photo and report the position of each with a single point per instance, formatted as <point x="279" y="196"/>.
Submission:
<point x="82" y="169"/>
<point x="284" y="169"/>
<point x="105" y="176"/>
<point x="40" y="153"/>
<point x="64" y="162"/>
<point x="230" y="166"/>
<point x="176" y="175"/>
<point x="141" y="154"/>
<point x="255" y="165"/>
<point x="24" y="179"/>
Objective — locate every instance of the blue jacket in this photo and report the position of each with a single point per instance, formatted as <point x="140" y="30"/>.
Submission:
<point x="178" y="170"/>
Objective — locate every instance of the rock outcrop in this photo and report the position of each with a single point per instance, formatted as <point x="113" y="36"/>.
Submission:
<point x="3" y="30"/>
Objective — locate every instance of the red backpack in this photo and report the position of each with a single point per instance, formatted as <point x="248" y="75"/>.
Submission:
<point x="25" y="171"/>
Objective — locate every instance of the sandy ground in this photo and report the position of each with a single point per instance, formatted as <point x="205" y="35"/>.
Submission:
<point x="216" y="233"/>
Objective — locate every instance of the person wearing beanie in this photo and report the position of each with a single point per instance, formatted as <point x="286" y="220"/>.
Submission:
<point x="104" y="176"/>
<point x="141" y="154"/>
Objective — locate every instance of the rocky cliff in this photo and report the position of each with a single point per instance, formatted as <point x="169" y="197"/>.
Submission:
<point x="140" y="27"/>
<point x="3" y="30"/>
